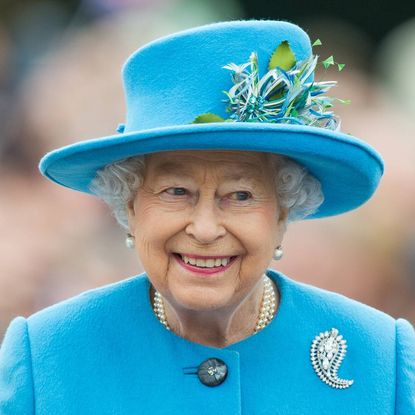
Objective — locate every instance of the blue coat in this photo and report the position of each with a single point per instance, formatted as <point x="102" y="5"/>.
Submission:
<point x="104" y="352"/>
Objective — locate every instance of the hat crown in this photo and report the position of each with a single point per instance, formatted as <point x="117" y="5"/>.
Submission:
<point x="176" y="78"/>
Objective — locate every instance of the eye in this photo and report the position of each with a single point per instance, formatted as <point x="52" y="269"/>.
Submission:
<point x="176" y="191"/>
<point x="241" y="196"/>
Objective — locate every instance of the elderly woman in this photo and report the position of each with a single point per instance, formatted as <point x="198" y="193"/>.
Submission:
<point x="228" y="138"/>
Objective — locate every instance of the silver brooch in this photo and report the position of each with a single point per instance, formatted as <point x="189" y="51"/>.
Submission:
<point x="327" y="352"/>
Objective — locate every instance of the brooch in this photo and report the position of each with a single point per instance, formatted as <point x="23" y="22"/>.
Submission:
<point x="327" y="352"/>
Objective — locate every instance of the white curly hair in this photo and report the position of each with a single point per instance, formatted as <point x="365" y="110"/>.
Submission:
<point x="297" y="190"/>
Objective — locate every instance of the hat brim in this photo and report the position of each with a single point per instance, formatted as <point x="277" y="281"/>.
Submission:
<point x="348" y="169"/>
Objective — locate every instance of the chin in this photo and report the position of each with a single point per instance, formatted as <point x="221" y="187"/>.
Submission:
<point x="201" y="298"/>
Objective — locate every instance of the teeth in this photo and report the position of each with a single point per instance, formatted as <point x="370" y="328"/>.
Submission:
<point x="225" y="261"/>
<point x="206" y="263"/>
<point x="191" y="261"/>
<point x="210" y="263"/>
<point x="200" y="262"/>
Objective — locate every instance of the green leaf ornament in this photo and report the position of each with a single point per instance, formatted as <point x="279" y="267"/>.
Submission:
<point x="206" y="118"/>
<point x="282" y="57"/>
<point x="328" y="62"/>
<point x="344" y="101"/>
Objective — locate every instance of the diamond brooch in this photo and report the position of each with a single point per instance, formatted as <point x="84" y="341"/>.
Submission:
<point x="327" y="352"/>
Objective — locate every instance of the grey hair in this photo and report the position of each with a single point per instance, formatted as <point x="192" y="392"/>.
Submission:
<point x="298" y="191"/>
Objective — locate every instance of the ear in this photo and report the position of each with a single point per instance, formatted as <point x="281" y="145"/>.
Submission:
<point x="131" y="215"/>
<point x="282" y="222"/>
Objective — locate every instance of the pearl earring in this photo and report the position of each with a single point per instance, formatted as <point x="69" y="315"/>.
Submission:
<point x="130" y="241"/>
<point x="278" y="253"/>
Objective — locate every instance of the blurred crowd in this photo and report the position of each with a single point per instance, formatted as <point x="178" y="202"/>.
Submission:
<point x="60" y="83"/>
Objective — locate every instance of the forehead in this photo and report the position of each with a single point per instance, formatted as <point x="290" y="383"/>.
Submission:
<point x="234" y="163"/>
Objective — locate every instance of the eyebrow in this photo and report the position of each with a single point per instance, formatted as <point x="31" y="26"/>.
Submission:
<point x="170" y="167"/>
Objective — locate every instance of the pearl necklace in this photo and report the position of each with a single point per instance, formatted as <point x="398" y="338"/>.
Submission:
<point x="266" y="312"/>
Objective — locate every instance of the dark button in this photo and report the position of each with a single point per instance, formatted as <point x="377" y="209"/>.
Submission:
<point x="212" y="372"/>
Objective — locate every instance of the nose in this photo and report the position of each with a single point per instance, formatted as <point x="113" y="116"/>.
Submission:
<point x="205" y="223"/>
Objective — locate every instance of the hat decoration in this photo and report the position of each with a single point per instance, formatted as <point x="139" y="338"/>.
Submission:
<point x="286" y="94"/>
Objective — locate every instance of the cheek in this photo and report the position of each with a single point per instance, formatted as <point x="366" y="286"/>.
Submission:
<point x="260" y="230"/>
<point x="154" y="228"/>
<point x="150" y="247"/>
<point x="259" y="235"/>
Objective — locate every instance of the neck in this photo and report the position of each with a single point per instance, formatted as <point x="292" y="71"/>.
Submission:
<point x="218" y="328"/>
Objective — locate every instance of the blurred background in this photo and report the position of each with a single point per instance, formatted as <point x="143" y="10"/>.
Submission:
<point x="60" y="83"/>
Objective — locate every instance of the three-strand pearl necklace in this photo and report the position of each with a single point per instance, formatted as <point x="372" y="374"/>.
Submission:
<point x="266" y="311"/>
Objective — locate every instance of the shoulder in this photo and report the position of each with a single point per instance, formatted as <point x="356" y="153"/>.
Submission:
<point x="86" y="338"/>
<point x="94" y="298"/>
<point x="378" y="344"/>
<point x="89" y="311"/>
<point x="370" y="333"/>
<point x="405" y="367"/>
<point x="380" y="349"/>
<point x="321" y="305"/>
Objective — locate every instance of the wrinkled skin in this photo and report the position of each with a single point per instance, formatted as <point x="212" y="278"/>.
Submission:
<point x="209" y="203"/>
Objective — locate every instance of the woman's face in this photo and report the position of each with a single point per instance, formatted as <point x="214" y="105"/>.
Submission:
<point x="206" y="224"/>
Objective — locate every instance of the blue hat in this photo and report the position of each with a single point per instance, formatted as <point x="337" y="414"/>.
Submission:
<point x="239" y="85"/>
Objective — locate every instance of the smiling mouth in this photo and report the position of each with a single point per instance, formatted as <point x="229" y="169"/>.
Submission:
<point x="205" y="262"/>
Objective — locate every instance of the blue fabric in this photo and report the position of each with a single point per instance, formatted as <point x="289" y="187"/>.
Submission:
<point x="405" y="359"/>
<point x="171" y="81"/>
<point x="104" y="352"/>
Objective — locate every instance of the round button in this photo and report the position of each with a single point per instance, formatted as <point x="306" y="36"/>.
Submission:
<point x="212" y="372"/>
